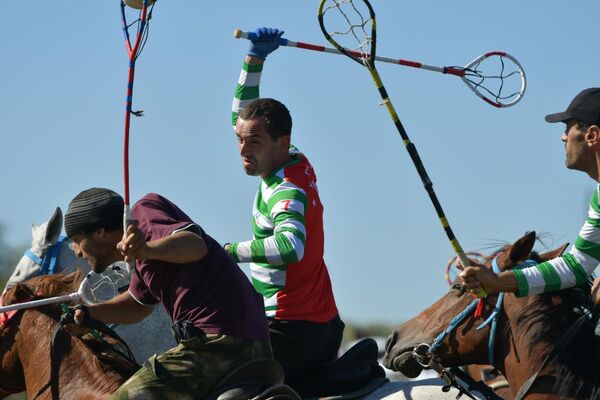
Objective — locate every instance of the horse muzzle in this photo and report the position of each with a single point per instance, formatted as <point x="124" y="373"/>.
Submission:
<point x="406" y="363"/>
<point x="403" y="359"/>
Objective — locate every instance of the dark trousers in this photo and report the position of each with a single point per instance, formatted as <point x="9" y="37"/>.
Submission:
<point x="305" y="348"/>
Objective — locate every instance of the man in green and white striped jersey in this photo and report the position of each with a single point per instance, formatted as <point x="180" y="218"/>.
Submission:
<point x="582" y="144"/>
<point x="286" y="252"/>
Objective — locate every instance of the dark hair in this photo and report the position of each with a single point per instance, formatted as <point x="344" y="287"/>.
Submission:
<point x="583" y="126"/>
<point x="277" y="117"/>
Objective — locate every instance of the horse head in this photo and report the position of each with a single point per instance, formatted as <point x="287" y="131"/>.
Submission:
<point x="87" y="367"/>
<point x="46" y="252"/>
<point x="11" y="345"/>
<point x="50" y="253"/>
<point x="463" y="343"/>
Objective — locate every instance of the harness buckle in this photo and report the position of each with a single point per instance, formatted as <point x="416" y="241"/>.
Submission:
<point x="422" y="354"/>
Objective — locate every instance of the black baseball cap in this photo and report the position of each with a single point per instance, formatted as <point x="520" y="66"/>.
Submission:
<point x="585" y="108"/>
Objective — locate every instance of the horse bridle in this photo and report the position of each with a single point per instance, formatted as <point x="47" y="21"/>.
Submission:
<point x="424" y="353"/>
<point x="48" y="263"/>
<point x="68" y="318"/>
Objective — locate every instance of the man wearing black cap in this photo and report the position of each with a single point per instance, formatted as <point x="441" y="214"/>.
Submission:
<point x="219" y="318"/>
<point x="582" y="144"/>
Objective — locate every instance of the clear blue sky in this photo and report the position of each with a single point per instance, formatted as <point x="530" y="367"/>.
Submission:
<point x="497" y="173"/>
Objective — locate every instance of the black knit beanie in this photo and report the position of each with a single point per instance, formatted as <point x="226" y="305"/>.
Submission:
<point x="92" y="209"/>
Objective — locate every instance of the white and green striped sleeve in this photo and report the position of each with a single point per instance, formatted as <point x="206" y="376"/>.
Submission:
<point x="570" y="269"/>
<point x="286" y="207"/>
<point x="247" y="88"/>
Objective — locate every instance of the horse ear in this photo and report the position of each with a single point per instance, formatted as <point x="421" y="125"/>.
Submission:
<point x="19" y="293"/>
<point x="54" y="227"/>
<point x="554" y="253"/>
<point x="519" y="250"/>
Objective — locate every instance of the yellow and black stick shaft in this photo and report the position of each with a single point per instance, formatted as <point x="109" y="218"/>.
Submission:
<point x="416" y="159"/>
<point x="369" y="62"/>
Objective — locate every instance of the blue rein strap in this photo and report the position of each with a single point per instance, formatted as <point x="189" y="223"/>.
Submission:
<point x="493" y="318"/>
<point x="453" y="324"/>
<point x="48" y="263"/>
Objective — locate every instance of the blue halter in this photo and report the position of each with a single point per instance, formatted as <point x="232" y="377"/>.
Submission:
<point x="492" y="319"/>
<point x="48" y="263"/>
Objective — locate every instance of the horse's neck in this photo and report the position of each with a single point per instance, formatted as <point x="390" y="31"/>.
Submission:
<point x="521" y="356"/>
<point x="80" y="374"/>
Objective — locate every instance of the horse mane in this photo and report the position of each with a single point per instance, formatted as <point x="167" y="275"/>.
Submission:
<point x="43" y="286"/>
<point x="546" y="319"/>
<point x="107" y="357"/>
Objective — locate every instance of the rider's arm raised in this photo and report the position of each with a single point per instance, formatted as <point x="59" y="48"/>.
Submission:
<point x="178" y="248"/>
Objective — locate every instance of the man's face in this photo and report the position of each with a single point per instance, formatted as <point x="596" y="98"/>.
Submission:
<point x="579" y="156"/>
<point x="260" y="154"/>
<point x="96" y="248"/>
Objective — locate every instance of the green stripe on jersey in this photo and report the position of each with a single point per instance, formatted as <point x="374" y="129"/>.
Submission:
<point x="576" y="268"/>
<point x="523" y="286"/>
<point x="252" y="67"/>
<point x="590" y="248"/>
<point x="257" y="249"/>
<point x="593" y="222"/>
<point x="246" y="92"/>
<point x="594" y="203"/>
<point x="232" y="250"/>
<point x="550" y="276"/>
<point x="294" y="232"/>
<point x="286" y="250"/>
<point x="287" y="194"/>
<point x="265" y="289"/>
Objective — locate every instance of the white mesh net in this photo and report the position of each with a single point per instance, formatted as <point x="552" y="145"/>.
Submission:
<point x="349" y="24"/>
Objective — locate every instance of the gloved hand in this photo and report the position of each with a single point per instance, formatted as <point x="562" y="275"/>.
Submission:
<point x="265" y="41"/>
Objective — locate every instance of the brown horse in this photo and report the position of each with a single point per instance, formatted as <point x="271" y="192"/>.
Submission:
<point x="88" y="369"/>
<point x="528" y="330"/>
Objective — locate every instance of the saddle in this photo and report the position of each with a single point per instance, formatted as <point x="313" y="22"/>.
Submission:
<point x="355" y="374"/>
<point x="257" y="380"/>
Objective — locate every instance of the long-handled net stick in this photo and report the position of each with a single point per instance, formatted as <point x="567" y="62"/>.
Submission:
<point x="93" y="288"/>
<point x="353" y="23"/>
<point x="496" y="77"/>
<point x="145" y="14"/>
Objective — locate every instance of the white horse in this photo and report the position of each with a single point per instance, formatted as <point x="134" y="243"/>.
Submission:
<point x="150" y="336"/>
<point x="424" y="389"/>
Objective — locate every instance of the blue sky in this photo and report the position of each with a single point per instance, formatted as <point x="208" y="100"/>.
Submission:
<point x="497" y="173"/>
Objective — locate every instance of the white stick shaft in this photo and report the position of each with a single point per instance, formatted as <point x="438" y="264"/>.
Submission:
<point x="126" y="222"/>
<point x="41" y="302"/>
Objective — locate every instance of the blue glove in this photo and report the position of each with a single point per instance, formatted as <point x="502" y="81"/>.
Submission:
<point x="264" y="42"/>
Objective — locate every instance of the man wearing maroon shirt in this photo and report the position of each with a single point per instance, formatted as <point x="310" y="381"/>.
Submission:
<point x="219" y="320"/>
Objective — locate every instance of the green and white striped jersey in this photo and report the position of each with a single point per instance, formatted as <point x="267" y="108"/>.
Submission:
<point x="570" y="269"/>
<point x="247" y="89"/>
<point x="286" y="252"/>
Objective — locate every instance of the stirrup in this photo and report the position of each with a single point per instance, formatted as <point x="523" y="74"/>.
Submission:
<point x="278" y="392"/>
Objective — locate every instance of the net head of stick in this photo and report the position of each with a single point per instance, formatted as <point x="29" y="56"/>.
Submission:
<point x="137" y="4"/>
<point x="497" y="77"/>
<point x="350" y="26"/>
<point x="94" y="288"/>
